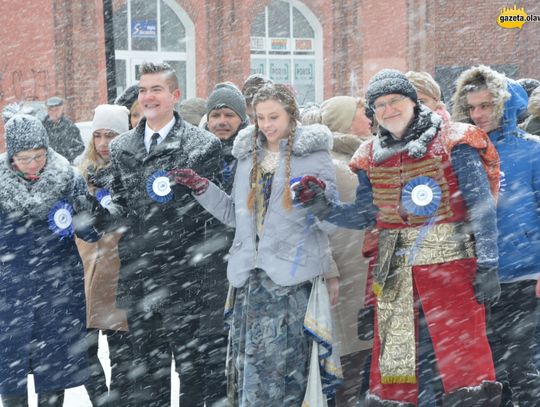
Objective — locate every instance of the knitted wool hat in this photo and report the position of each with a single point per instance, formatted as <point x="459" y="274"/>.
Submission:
<point x="226" y="94"/>
<point x="129" y="96"/>
<point x="24" y="132"/>
<point x="54" y="101"/>
<point x="111" y="117"/>
<point x="388" y="81"/>
<point x="424" y="83"/>
<point x="192" y="110"/>
<point x="338" y="113"/>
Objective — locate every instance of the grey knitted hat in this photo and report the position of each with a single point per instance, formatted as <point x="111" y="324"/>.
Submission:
<point x="192" y="110"/>
<point x="388" y="81"/>
<point x="226" y="94"/>
<point x="24" y="132"/>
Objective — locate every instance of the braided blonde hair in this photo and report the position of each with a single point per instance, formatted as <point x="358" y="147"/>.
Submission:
<point x="285" y="97"/>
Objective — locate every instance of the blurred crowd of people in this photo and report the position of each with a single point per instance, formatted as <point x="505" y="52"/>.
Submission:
<point x="372" y="251"/>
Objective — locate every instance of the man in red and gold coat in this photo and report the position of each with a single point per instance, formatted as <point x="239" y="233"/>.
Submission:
<point x="429" y="188"/>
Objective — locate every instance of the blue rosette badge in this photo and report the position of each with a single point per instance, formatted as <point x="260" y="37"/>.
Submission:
<point x="104" y="197"/>
<point x="60" y="219"/>
<point x="158" y="187"/>
<point x="421" y="196"/>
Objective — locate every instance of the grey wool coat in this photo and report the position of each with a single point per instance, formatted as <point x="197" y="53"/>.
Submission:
<point x="293" y="247"/>
<point x="160" y="242"/>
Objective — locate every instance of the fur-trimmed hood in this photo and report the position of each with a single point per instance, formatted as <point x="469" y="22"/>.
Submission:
<point x="17" y="195"/>
<point x="307" y="139"/>
<point x="509" y="98"/>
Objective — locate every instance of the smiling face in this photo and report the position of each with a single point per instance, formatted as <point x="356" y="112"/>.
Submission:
<point x="224" y="123"/>
<point x="101" y="139"/>
<point x="274" y="121"/>
<point x="394" y="112"/>
<point x="157" y="100"/>
<point x="30" y="162"/>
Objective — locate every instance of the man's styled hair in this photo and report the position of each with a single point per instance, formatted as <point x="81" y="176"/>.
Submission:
<point x="164" y="68"/>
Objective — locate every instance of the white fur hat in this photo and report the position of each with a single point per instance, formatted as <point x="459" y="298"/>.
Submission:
<point x="111" y="117"/>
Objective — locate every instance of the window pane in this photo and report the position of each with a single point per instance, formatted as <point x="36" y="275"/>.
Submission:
<point x="279" y="19"/>
<point x="143" y="25"/>
<point x="180" y="68"/>
<point x="120" y="28"/>
<point x="301" y="26"/>
<point x="173" y="32"/>
<point x="280" y="70"/>
<point x="257" y="27"/>
<point x="120" y="76"/>
<point x="258" y="66"/>
<point x="304" y="80"/>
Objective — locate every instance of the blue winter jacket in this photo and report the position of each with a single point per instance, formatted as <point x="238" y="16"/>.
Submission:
<point x="42" y="307"/>
<point x="518" y="209"/>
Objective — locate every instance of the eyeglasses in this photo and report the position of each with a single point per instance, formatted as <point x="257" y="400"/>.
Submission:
<point x="379" y="107"/>
<point x="39" y="158"/>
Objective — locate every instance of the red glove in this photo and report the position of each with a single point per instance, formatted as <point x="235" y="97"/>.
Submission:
<point x="309" y="192"/>
<point x="190" y="179"/>
<point x="538" y="288"/>
<point x="308" y="187"/>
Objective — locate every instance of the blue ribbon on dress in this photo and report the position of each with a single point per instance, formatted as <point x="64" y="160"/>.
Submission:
<point x="158" y="187"/>
<point x="310" y="220"/>
<point x="60" y="219"/>
<point x="421" y="196"/>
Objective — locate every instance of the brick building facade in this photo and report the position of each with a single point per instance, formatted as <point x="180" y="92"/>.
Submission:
<point x="57" y="47"/>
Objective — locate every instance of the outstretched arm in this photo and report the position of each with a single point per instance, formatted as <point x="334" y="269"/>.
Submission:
<point x="359" y="214"/>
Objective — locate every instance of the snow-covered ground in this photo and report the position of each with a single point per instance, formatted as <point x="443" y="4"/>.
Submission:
<point x="77" y="396"/>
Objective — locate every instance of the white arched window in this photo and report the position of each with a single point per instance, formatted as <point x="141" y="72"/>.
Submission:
<point x="286" y="46"/>
<point x="154" y="31"/>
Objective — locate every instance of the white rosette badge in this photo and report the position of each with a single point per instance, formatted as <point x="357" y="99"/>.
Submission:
<point x="158" y="187"/>
<point x="60" y="219"/>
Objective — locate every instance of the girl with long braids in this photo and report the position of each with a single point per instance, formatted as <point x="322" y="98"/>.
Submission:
<point x="278" y="249"/>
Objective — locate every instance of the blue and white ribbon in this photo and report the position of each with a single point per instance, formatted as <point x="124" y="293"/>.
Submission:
<point x="158" y="187"/>
<point x="292" y="184"/>
<point x="60" y="219"/>
<point x="421" y="196"/>
<point x="104" y="197"/>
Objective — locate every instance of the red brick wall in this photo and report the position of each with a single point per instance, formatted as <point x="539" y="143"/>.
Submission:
<point x="459" y="33"/>
<point x="53" y="47"/>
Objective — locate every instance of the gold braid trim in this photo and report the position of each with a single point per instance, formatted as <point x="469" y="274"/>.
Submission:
<point x="398" y="379"/>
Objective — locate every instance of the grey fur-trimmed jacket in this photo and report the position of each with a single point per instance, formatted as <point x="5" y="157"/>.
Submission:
<point x="293" y="247"/>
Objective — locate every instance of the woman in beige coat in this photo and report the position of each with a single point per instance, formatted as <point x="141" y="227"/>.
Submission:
<point x="345" y="117"/>
<point x="101" y="267"/>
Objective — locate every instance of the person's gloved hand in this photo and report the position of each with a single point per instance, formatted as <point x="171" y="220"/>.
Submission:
<point x="190" y="179"/>
<point x="538" y="288"/>
<point x="366" y="323"/>
<point x="99" y="178"/>
<point x="309" y="192"/>
<point x="486" y="285"/>
<point x="86" y="203"/>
